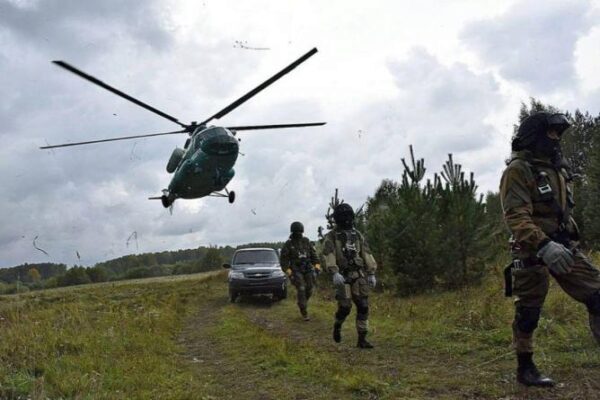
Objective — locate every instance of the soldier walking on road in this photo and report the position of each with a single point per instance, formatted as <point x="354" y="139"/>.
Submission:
<point x="300" y="262"/>
<point x="348" y="258"/>
<point x="537" y="204"/>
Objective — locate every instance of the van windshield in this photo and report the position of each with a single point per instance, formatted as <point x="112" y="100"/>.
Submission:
<point x="255" y="257"/>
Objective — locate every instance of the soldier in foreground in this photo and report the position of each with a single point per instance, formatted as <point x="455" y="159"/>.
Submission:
<point x="300" y="262"/>
<point x="537" y="204"/>
<point x="352" y="265"/>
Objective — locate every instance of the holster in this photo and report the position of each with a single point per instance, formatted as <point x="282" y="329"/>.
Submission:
<point x="516" y="264"/>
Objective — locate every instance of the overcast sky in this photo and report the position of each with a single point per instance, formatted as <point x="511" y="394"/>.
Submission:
<point x="447" y="77"/>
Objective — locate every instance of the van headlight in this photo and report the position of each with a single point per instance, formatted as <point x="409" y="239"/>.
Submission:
<point x="277" y="274"/>
<point x="236" y="275"/>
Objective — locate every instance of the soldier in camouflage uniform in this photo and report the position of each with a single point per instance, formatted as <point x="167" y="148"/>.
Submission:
<point x="537" y="204"/>
<point x="299" y="260"/>
<point x="348" y="258"/>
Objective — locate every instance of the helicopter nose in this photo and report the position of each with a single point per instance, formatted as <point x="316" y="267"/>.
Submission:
<point x="220" y="145"/>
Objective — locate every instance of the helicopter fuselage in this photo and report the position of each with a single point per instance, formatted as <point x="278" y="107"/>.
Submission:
<point x="207" y="164"/>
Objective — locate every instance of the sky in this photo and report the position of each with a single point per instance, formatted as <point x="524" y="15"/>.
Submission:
<point x="446" y="77"/>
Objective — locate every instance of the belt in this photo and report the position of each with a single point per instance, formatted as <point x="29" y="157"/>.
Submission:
<point x="525" y="262"/>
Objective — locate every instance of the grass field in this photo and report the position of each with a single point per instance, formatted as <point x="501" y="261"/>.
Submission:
<point x="180" y="338"/>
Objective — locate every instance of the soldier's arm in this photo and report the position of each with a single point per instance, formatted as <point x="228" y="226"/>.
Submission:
<point x="515" y="194"/>
<point x="284" y="258"/>
<point x="329" y="255"/>
<point x="367" y="256"/>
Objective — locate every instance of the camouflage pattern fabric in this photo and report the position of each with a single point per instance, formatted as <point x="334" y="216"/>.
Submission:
<point x="533" y="217"/>
<point x="299" y="255"/>
<point x="348" y="253"/>
<point x="304" y="283"/>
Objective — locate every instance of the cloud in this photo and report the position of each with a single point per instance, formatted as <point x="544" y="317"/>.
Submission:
<point x="83" y="28"/>
<point x="534" y="42"/>
<point x="439" y="109"/>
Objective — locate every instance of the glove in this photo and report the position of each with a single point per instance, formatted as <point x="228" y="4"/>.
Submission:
<point x="557" y="257"/>
<point x="338" y="279"/>
<point x="372" y="280"/>
<point x="289" y="272"/>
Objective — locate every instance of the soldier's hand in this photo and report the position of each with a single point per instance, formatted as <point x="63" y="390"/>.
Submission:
<point x="557" y="257"/>
<point x="372" y="280"/>
<point x="338" y="279"/>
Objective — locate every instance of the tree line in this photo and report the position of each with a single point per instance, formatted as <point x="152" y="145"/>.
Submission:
<point x="27" y="277"/>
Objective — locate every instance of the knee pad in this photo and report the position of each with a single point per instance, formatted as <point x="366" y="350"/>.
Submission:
<point x="362" y="309"/>
<point x="526" y="318"/>
<point x="593" y="304"/>
<point x="342" y="313"/>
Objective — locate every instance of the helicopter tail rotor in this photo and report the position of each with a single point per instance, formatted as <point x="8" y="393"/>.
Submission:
<point x="166" y="199"/>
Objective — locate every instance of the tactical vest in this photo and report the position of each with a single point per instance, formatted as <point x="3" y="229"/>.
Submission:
<point x="546" y="201"/>
<point x="348" y="249"/>
<point x="300" y="255"/>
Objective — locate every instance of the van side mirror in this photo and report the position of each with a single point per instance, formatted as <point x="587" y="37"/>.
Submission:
<point x="226" y="266"/>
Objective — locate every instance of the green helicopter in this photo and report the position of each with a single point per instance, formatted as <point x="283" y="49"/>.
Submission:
<point x="204" y="166"/>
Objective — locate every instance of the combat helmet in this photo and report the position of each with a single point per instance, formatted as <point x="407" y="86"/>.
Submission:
<point x="297" y="227"/>
<point x="535" y="126"/>
<point x="343" y="215"/>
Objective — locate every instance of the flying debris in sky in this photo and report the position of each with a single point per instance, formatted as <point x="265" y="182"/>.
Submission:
<point x="37" y="248"/>
<point x="78" y="256"/>
<point x="244" y="45"/>
<point x="134" y="236"/>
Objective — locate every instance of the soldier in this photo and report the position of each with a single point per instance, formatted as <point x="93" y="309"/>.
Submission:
<point x="349" y="259"/>
<point x="299" y="260"/>
<point x="537" y="204"/>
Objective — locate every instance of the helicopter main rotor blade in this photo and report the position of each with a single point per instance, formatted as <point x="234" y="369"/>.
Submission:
<point x="253" y="127"/>
<point x="260" y="87"/>
<point x="112" y="139"/>
<point x="98" y="82"/>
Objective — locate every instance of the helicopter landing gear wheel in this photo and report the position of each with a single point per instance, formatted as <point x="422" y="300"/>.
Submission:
<point x="231" y="197"/>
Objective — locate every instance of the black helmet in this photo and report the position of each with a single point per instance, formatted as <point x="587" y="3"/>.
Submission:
<point x="536" y="125"/>
<point x="297" y="227"/>
<point x="343" y="215"/>
<point x="558" y="122"/>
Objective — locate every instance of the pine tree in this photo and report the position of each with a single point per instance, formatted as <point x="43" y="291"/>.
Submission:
<point x="592" y="210"/>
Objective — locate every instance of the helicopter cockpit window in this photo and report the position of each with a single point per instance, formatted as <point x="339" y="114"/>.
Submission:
<point x="197" y="143"/>
<point x="187" y="143"/>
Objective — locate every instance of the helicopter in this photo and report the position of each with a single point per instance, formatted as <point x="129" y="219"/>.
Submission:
<point x="204" y="166"/>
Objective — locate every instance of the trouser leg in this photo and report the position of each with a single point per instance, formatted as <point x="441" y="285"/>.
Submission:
<point x="530" y="287"/>
<point x="300" y="292"/>
<point x="583" y="285"/>
<point x="309" y="284"/>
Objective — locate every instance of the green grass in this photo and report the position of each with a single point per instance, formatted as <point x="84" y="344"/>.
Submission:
<point x="179" y="338"/>
<point x="112" y="341"/>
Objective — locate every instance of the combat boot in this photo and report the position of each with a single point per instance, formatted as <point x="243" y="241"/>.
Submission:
<point x="362" y="341"/>
<point x="528" y="374"/>
<point x="304" y="314"/>
<point x="337" y="332"/>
